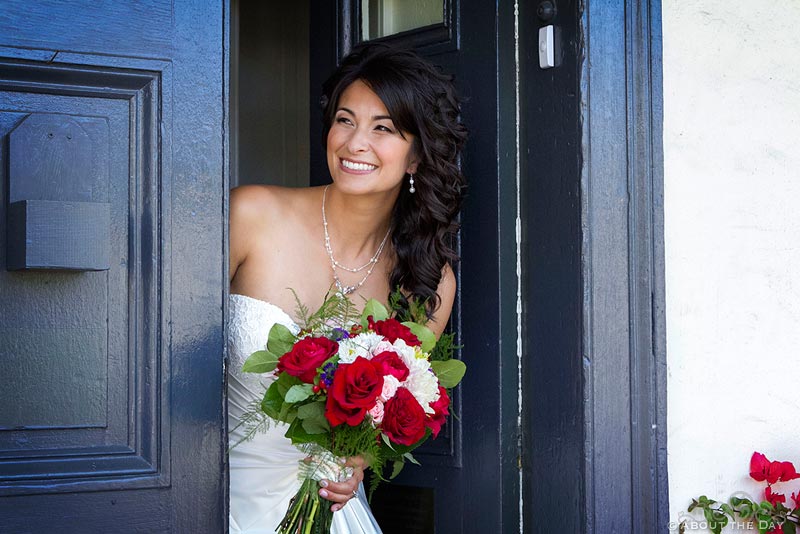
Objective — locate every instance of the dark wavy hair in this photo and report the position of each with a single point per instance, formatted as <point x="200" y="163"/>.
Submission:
<point x="422" y="101"/>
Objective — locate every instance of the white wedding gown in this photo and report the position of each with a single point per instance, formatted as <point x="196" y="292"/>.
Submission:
<point x="263" y="471"/>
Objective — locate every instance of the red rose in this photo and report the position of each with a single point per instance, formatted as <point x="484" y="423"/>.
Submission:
<point x="403" y="418"/>
<point x="306" y="356"/>
<point x="355" y="388"/>
<point x="393" y="329"/>
<point x="440" y="412"/>
<point x="392" y="365"/>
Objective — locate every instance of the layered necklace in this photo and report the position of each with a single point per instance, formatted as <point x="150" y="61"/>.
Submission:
<point x="370" y="265"/>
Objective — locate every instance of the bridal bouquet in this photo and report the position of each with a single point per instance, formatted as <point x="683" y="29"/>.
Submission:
<point x="347" y="386"/>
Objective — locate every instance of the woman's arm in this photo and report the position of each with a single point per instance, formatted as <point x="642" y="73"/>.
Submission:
<point x="447" y="293"/>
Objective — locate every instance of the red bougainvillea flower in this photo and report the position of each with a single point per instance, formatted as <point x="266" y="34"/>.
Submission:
<point x="796" y="499"/>
<point x="759" y="465"/>
<point x="392" y="329"/>
<point x="787" y="471"/>
<point x="773" y="498"/>
<point x="777" y="530"/>
<point x="762" y="469"/>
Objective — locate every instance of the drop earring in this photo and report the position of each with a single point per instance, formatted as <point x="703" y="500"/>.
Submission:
<point x="411" y="183"/>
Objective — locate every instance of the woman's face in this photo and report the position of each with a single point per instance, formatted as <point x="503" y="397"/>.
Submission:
<point x="366" y="153"/>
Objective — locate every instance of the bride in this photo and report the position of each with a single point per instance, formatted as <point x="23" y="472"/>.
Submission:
<point x="392" y="137"/>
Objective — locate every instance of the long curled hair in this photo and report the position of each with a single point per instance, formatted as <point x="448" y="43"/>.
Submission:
<point x="423" y="102"/>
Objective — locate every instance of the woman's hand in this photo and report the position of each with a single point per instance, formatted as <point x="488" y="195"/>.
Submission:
<point x="341" y="492"/>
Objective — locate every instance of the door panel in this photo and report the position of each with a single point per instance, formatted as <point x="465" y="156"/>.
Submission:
<point x="111" y="313"/>
<point x="468" y="481"/>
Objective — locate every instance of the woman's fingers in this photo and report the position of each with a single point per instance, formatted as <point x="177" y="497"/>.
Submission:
<point x="341" y="492"/>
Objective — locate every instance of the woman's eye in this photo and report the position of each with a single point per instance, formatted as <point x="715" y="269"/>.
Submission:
<point x="383" y="128"/>
<point x="343" y="120"/>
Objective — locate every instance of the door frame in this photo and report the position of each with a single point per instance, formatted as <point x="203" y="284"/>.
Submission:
<point x="594" y="282"/>
<point x="591" y="244"/>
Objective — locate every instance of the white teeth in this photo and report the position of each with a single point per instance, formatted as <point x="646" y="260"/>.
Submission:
<point x="358" y="166"/>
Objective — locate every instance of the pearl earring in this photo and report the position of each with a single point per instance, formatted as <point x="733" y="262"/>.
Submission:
<point x="411" y="183"/>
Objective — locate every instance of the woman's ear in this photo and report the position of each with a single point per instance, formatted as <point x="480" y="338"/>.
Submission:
<point x="412" y="166"/>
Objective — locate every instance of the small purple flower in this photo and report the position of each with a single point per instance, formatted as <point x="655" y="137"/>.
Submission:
<point x="340" y="334"/>
<point x="327" y="374"/>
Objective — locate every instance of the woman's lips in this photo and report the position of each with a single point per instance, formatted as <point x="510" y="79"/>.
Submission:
<point x="356" y="167"/>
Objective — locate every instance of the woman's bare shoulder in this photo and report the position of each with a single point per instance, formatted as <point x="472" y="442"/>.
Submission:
<point x="260" y="205"/>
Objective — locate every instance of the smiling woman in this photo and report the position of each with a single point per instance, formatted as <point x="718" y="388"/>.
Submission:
<point x="363" y="141"/>
<point x="389" y="115"/>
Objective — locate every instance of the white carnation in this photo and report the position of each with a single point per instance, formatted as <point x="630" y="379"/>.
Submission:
<point x="360" y="345"/>
<point x="409" y="356"/>
<point x="349" y="350"/>
<point x="424" y="386"/>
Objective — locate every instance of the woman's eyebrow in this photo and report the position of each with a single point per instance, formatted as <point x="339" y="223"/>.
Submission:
<point x="374" y="117"/>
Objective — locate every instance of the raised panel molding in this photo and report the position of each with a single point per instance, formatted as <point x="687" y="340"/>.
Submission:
<point x="107" y="327"/>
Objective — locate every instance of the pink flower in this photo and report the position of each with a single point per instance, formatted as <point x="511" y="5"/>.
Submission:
<point x="390" y="385"/>
<point x="377" y="413"/>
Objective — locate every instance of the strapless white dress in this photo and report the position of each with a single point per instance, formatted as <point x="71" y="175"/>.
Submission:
<point x="263" y="470"/>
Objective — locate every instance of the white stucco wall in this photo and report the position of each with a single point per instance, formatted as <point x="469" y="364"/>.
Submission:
<point x="732" y="231"/>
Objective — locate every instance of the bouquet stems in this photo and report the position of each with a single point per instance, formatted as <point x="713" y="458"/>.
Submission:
<point x="306" y="514"/>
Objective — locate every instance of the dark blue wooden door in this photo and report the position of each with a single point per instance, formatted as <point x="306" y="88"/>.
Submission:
<point x="470" y="479"/>
<point x="112" y="151"/>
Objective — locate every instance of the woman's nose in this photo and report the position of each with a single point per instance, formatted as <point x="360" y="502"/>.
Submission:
<point x="358" y="141"/>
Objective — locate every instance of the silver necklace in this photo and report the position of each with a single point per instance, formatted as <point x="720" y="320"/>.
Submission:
<point x="344" y="289"/>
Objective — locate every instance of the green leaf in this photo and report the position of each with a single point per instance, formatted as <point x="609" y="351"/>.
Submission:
<point x="709" y="514"/>
<point x="736" y="501"/>
<point x="285" y="381"/>
<point x="410" y="457"/>
<point x="725" y="508"/>
<point x="789" y="528"/>
<point x="298" y="434"/>
<point x="376" y="310"/>
<point x="273" y="401"/>
<point x="313" y="416"/>
<point x="262" y="361"/>
<point x="450" y="372"/>
<point x="745" y="511"/>
<point x="424" y="334"/>
<point x="281" y="339"/>
<point x="299" y="392"/>
<point x="397" y="466"/>
<point x="386" y="440"/>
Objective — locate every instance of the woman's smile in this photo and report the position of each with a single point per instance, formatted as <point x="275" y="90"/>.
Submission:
<point x="356" y="167"/>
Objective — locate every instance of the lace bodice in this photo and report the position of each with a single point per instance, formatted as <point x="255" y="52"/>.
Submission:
<point x="248" y="331"/>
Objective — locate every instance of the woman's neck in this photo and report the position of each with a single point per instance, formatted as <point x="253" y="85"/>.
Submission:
<point x="357" y="224"/>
